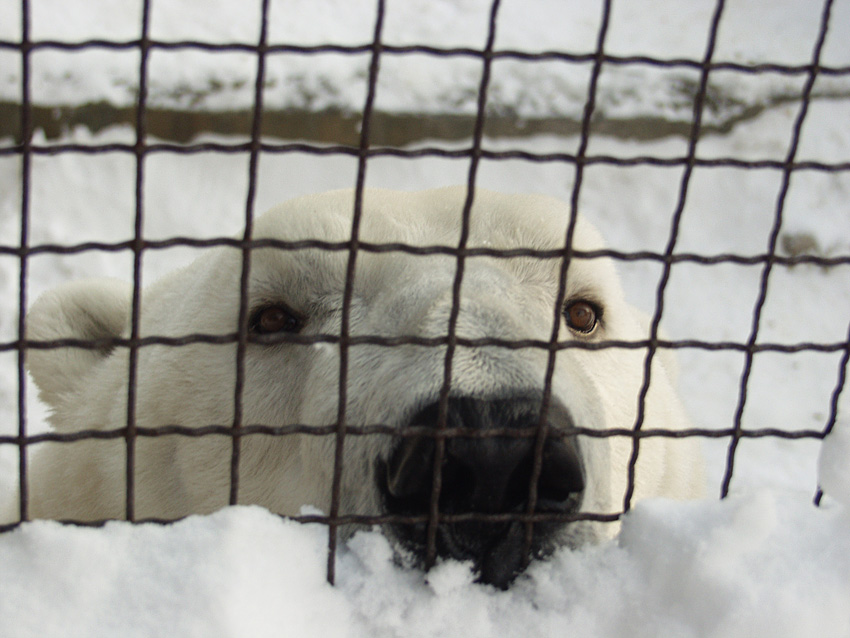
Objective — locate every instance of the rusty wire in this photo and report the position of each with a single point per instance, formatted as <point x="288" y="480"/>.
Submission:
<point x="364" y="152"/>
<point x="773" y="242"/>
<point x="675" y="223"/>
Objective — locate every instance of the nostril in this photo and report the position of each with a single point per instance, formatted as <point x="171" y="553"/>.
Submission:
<point x="409" y="470"/>
<point x="494" y="475"/>
<point x="459" y="484"/>
<point x="486" y="474"/>
<point x="516" y="494"/>
<point x="561" y="475"/>
<point x="497" y="477"/>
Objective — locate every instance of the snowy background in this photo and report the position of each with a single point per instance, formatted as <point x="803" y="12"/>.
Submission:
<point x="763" y="562"/>
<point x="753" y="31"/>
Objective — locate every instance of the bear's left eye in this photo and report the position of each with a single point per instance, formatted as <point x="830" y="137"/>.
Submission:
<point x="582" y="316"/>
<point x="275" y="319"/>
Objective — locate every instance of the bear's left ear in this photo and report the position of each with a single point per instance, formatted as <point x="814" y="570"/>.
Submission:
<point x="86" y="310"/>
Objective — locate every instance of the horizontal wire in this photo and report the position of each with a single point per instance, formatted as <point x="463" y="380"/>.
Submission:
<point x="370" y="520"/>
<point x="425" y="250"/>
<point x="410" y="340"/>
<point x="418" y="49"/>
<point x="395" y="432"/>
<point x="430" y="151"/>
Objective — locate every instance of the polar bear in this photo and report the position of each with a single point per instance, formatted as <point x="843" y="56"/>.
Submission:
<point x="292" y="376"/>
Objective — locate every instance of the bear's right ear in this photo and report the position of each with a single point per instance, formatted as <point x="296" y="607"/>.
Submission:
<point x="87" y="310"/>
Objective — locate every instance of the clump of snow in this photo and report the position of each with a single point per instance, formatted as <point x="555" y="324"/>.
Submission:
<point x="709" y="569"/>
<point x="705" y="569"/>
<point x="834" y="464"/>
<point x="239" y="572"/>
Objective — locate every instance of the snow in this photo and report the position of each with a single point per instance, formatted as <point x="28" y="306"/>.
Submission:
<point x="750" y="32"/>
<point x="240" y="572"/>
<point x="717" y="569"/>
<point x="763" y="562"/>
<point x="833" y="468"/>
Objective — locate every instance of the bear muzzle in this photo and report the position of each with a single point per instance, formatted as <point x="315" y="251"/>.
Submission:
<point x="485" y="472"/>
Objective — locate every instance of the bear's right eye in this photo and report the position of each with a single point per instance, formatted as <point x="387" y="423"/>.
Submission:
<point x="274" y="320"/>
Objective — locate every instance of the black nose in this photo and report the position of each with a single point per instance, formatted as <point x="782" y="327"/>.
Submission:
<point x="485" y="474"/>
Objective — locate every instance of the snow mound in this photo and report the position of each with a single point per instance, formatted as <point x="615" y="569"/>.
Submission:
<point x="725" y="569"/>
<point x="241" y="572"/>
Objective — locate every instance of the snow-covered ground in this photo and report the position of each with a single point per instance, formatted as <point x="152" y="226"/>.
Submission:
<point x="752" y="31"/>
<point x="764" y="562"/>
<point x="766" y="565"/>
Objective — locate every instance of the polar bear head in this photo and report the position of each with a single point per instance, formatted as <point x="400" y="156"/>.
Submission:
<point x="392" y="373"/>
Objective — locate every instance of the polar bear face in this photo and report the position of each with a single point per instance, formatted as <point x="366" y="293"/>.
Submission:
<point x="292" y="376"/>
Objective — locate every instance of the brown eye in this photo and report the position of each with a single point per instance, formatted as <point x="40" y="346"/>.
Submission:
<point x="275" y="319"/>
<point x="581" y="316"/>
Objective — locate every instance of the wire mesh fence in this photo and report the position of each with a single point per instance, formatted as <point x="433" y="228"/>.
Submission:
<point x="364" y="152"/>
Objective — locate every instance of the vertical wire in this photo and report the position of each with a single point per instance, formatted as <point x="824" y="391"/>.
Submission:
<point x="348" y="291"/>
<point x="560" y="297"/>
<point x="451" y="342"/>
<point x="771" y="248"/>
<point x="140" y="151"/>
<point x="245" y="276"/>
<point x="699" y="101"/>
<point x="26" y="171"/>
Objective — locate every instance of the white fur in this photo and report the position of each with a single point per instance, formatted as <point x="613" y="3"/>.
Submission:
<point x="395" y="294"/>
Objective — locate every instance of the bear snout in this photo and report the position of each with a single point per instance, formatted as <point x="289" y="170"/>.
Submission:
<point x="487" y="471"/>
